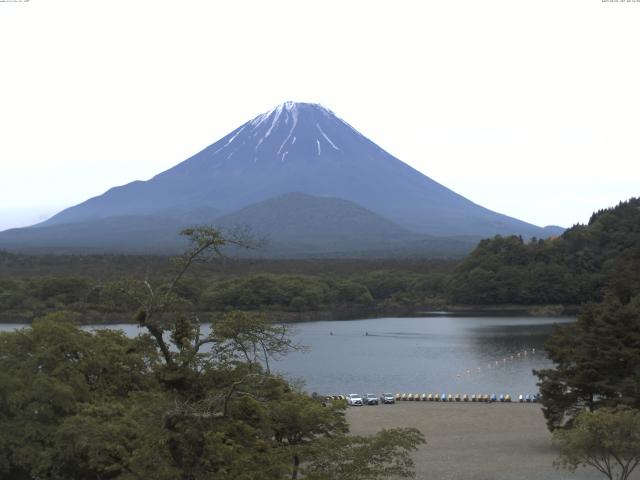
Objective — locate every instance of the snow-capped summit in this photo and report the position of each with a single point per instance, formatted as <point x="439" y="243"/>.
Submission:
<point x="293" y="129"/>
<point x="298" y="147"/>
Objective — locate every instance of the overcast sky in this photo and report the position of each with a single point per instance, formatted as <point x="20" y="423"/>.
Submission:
<point x="530" y="108"/>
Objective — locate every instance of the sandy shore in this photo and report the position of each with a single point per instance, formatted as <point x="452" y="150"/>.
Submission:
<point x="470" y="441"/>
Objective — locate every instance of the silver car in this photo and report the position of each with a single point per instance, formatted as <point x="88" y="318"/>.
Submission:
<point x="387" y="398"/>
<point x="371" y="399"/>
<point x="354" y="399"/>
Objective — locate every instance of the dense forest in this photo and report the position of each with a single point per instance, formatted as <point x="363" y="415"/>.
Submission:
<point x="579" y="266"/>
<point x="576" y="267"/>
<point x="297" y="289"/>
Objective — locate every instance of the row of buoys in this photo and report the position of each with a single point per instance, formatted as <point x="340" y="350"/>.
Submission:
<point x="436" y="397"/>
<point x="498" y="363"/>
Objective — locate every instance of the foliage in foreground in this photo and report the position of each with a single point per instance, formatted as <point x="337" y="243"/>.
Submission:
<point x="607" y="440"/>
<point x="176" y="402"/>
<point x="597" y="362"/>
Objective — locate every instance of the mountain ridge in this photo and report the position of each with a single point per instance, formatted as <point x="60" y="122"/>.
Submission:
<point x="294" y="225"/>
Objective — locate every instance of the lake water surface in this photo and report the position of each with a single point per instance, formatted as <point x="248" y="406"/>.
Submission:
<point x="437" y="354"/>
<point x="431" y="354"/>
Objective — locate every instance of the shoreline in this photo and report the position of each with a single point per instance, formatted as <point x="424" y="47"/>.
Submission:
<point x="560" y="311"/>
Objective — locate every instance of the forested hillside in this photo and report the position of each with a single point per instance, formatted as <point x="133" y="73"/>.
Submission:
<point x="578" y="266"/>
<point x="31" y="286"/>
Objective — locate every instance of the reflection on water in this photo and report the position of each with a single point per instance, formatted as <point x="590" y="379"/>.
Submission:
<point x="431" y="354"/>
<point x="435" y="354"/>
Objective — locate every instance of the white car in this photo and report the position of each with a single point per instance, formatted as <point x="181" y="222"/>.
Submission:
<point x="354" y="399"/>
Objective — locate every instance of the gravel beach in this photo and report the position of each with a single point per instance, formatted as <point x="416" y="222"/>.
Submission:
<point x="473" y="441"/>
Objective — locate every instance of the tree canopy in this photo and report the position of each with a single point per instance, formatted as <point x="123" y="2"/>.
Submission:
<point x="176" y="402"/>
<point x="607" y="440"/>
<point x="597" y="361"/>
<point x="581" y="265"/>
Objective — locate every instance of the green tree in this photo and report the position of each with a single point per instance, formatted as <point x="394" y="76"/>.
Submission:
<point x="581" y="265"/>
<point x="250" y="338"/>
<point x="209" y="408"/>
<point x="597" y="362"/>
<point x="607" y="440"/>
<point x="173" y="403"/>
<point x="385" y="455"/>
<point x="55" y="377"/>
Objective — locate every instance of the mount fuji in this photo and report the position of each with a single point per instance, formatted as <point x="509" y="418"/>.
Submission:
<point x="345" y="190"/>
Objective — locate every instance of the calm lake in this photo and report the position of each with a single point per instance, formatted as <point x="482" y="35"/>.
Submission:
<point x="435" y="354"/>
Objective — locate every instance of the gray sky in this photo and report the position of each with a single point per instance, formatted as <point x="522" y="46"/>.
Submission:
<point x="530" y="108"/>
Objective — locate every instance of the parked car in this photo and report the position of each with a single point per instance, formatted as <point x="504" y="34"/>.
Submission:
<point x="354" y="399"/>
<point x="371" y="399"/>
<point x="388" y="398"/>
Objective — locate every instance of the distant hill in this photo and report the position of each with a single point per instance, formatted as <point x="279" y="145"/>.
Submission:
<point x="138" y="234"/>
<point x="294" y="225"/>
<point x="581" y="265"/>
<point x="302" y="217"/>
<point x="297" y="147"/>
<point x="297" y="224"/>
